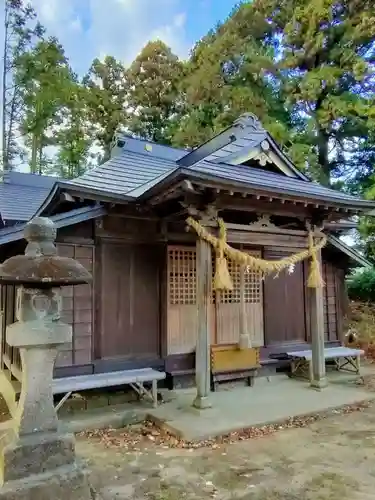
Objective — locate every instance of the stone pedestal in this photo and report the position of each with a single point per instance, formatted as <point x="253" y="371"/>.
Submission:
<point x="65" y="483"/>
<point x="38" y="462"/>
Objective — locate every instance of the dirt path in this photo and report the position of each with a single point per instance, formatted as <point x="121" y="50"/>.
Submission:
<point x="332" y="459"/>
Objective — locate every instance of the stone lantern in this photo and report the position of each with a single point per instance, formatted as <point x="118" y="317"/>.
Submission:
<point x="38" y="460"/>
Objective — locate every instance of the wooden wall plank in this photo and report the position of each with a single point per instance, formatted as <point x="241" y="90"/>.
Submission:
<point x="284" y="304"/>
<point x="330" y="302"/>
<point x="77" y="309"/>
<point x="129" y="301"/>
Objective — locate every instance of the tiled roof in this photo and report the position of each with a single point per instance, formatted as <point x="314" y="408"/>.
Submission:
<point x="75" y="216"/>
<point x="133" y="174"/>
<point x="22" y="194"/>
<point x="126" y="173"/>
<point x="271" y="182"/>
<point x="141" y="146"/>
<point x="142" y="166"/>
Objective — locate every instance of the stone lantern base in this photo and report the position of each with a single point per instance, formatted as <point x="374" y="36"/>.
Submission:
<point x="41" y="467"/>
<point x="69" y="482"/>
<point x="37" y="461"/>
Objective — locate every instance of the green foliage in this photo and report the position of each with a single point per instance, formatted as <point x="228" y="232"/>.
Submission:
<point x="74" y="137"/>
<point x="153" y="80"/>
<point x="327" y="70"/>
<point x="106" y="91"/>
<point x="361" y="285"/>
<point x="231" y="71"/>
<point x="306" y="68"/>
<point x="21" y="31"/>
<point x="47" y="84"/>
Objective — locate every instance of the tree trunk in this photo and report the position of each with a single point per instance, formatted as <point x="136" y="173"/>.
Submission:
<point x="9" y="135"/>
<point x="3" y="93"/>
<point x="323" y="158"/>
<point x="107" y="153"/>
<point x="40" y="172"/>
<point x="34" y="154"/>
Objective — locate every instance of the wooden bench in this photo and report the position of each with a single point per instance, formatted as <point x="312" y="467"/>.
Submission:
<point x="228" y="362"/>
<point x="134" y="378"/>
<point x="345" y="358"/>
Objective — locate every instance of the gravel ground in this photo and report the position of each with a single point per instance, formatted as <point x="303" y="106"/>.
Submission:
<point x="327" y="457"/>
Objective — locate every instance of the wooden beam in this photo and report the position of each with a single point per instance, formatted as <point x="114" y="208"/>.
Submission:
<point x="202" y="354"/>
<point x="239" y="234"/>
<point x="259" y="205"/>
<point x="256" y="229"/>
<point x="318" y="378"/>
<point x="252" y="194"/>
<point x="67" y="197"/>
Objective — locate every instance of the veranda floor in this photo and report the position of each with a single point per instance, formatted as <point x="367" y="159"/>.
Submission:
<point x="268" y="401"/>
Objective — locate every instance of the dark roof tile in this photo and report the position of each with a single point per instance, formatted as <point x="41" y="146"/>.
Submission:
<point x="141" y="146"/>
<point x="278" y="183"/>
<point x="19" y="203"/>
<point x="125" y="173"/>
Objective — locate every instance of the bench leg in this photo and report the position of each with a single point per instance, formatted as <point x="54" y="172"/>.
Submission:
<point x="358" y="364"/>
<point x="63" y="400"/>
<point x="155" y="393"/>
<point x="214" y="385"/>
<point x="311" y="373"/>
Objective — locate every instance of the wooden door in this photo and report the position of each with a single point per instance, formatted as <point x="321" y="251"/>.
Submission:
<point x="284" y="304"/>
<point x="228" y="307"/>
<point x="181" y="293"/>
<point x="225" y="307"/>
<point x="129" y="295"/>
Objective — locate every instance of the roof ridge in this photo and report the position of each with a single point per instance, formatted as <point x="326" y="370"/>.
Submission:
<point x="140" y="139"/>
<point x="240" y="167"/>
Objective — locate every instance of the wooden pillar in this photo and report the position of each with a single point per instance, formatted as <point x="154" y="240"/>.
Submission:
<point x="202" y="353"/>
<point x="318" y="378"/>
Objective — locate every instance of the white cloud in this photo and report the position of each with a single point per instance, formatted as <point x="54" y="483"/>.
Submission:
<point x="123" y="27"/>
<point x="94" y="28"/>
<point x="180" y="20"/>
<point x="76" y="24"/>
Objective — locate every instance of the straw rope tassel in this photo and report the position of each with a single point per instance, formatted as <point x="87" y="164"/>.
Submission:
<point x="224" y="251"/>
<point x="315" y="279"/>
<point x="222" y="279"/>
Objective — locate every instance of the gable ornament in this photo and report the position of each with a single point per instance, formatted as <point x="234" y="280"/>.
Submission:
<point x="263" y="221"/>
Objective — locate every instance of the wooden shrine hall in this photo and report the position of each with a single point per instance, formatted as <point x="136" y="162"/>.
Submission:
<point x="146" y="224"/>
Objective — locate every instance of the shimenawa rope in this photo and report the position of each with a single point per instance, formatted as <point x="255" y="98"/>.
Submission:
<point x="222" y="279"/>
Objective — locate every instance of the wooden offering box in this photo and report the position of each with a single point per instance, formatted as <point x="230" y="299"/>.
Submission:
<point x="228" y="362"/>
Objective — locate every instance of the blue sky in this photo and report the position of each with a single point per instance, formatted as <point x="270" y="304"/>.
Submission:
<point x="95" y="28"/>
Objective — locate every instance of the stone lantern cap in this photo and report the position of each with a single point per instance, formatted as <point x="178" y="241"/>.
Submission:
<point x="41" y="267"/>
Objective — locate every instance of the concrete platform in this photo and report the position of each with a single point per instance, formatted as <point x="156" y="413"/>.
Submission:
<point x="116" y="417"/>
<point x="269" y="401"/>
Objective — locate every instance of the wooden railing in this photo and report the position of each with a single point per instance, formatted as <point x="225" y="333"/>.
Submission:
<point x="9" y="356"/>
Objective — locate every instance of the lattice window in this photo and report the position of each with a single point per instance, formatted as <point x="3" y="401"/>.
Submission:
<point x="182" y="275"/>
<point x="233" y="296"/>
<point x="253" y="287"/>
<point x="252" y="283"/>
<point x="182" y="279"/>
